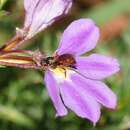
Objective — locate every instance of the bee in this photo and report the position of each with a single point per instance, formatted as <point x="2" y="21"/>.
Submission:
<point x="65" y="60"/>
<point x="39" y="61"/>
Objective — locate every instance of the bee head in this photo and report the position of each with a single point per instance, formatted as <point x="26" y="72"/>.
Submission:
<point x="48" y="61"/>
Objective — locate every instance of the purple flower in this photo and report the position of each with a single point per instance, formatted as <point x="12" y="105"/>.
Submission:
<point x="78" y="86"/>
<point x="42" y="13"/>
<point x="39" y="15"/>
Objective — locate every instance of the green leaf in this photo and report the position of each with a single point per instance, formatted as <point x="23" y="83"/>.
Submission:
<point x="3" y="13"/>
<point x="2" y="2"/>
<point x="13" y="115"/>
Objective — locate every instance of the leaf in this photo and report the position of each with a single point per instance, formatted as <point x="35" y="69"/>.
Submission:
<point x="3" y="13"/>
<point x="2" y="2"/>
<point x="13" y="115"/>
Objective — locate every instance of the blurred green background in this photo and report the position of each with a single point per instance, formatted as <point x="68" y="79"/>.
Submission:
<point x="24" y="102"/>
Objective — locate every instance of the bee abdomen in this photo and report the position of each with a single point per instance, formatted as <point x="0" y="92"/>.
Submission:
<point x="66" y="60"/>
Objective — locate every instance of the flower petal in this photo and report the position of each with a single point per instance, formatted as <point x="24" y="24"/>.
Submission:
<point x="80" y="102"/>
<point x="54" y="93"/>
<point x="81" y="36"/>
<point x="42" y="13"/>
<point x="97" y="90"/>
<point x="97" y="66"/>
<point x="30" y="6"/>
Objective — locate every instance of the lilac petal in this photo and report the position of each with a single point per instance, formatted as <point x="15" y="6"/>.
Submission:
<point x="81" y="36"/>
<point x="97" y="90"/>
<point x="80" y="101"/>
<point x="42" y="13"/>
<point x="53" y="91"/>
<point x="97" y="66"/>
<point x="30" y="6"/>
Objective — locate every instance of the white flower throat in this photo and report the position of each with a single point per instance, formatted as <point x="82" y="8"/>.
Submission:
<point x="62" y="74"/>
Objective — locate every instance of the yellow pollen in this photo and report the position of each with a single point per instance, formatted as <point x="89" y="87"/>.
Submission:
<point x="60" y="72"/>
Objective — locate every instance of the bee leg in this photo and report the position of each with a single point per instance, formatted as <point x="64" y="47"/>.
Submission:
<point x="65" y="72"/>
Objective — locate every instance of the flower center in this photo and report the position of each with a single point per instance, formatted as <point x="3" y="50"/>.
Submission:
<point x="62" y="74"/>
